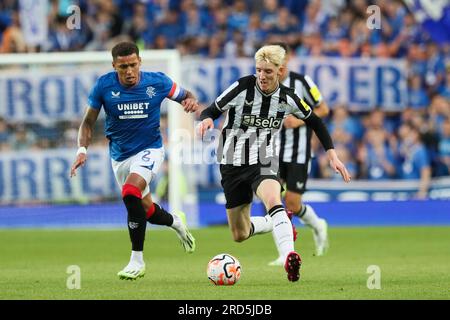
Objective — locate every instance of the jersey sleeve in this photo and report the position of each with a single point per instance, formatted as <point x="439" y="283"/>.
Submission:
<point x="172" y="89"/>
<point x="298" y="107"/>
<point x="227" y="99"/>
<point x="311" y="92"/>
<point x="95" y="99"/>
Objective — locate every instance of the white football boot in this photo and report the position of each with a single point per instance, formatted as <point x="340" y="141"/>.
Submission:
<point x="132" y="271"/>
<point x="186" y="238"/>
<point x="320" y="235"/>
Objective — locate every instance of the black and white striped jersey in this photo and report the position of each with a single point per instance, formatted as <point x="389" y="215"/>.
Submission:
<point x="253" y="120"/>
<point x="294" y="145"/>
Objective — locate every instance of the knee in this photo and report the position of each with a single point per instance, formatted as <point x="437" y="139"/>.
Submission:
<point x="239" y="236"/>
<point x="293" y="205"/>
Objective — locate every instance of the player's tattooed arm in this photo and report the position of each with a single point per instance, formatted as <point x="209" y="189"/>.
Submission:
<point x="87" y="127"/>
<point x="84" y="138"/>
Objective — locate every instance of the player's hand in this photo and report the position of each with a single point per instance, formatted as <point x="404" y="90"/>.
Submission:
<point x="292" y="122"/>
<point x="190" y="105"/>
<point x="79" y="162"/>
<point x="205" y="125"/>
<point x="338" y="166"/>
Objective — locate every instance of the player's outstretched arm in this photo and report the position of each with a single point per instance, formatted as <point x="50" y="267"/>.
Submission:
<point x="204" y="126"/>
<point x="337" y="165"/>
<point x="322" y="133"/>
<point x="84" y="138"/>
<point x="207" y="117"/>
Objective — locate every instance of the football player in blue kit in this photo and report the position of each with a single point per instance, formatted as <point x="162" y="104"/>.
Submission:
<point x="132" y="99"/>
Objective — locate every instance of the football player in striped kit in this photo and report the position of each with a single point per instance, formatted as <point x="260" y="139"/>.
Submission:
<point x="256" y="107"/>
<point x="294" y="143"/>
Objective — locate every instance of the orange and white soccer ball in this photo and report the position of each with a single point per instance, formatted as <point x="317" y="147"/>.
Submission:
<point x="224" y="270"/>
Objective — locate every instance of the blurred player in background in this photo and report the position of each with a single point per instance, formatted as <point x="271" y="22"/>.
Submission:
<point x="248" y="161"/>
<point x="295" y="154"/>
<point x="132" y="99"/>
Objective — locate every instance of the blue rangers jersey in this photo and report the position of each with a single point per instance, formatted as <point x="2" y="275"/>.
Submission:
<point x="133" y="113"/>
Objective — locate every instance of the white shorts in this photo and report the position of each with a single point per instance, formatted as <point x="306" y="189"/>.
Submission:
<point x="146" y="164"/>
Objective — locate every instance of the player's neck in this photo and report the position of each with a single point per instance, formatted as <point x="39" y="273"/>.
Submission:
<point x="131" y="85"/>
<point x="269" y="91"/>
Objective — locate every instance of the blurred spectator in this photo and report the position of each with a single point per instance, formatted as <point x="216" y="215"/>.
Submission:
<point x="315" y="19"/>
<point x="334" y="33"/>
<point x="284" y="26"/>
<point x="377" y="161"/>
<point x="415" y="163"/>
<point x="22" y="139"/>
<point x="63" y="39"/>
<point x="215" y="49"/>
<point x="255" y="35"/>
<point x="409" y="33"/>
<point x="444" y="89"/>
<point x="341" y="119"/>
<point x="194" y="23"/>
<point x="13" y="40"/>
<point x="444" y="150"/>
<point x="167" y="31"/>
<point x="5" y="135"/>
<point x="138" y="27"/>
<point x="237" y="47"/>
<point x="378" y="120"/>
<point x="417" y="95"/>
<point x="238" y="18"/>
<point x="438" y="112"/>
<point x="269" y="14"/>
<point x="435" y="68"/>
<point x="417" y="59"/>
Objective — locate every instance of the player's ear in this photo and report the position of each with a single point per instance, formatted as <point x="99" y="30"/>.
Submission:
<point x="140" y="61"/>
<point x="280" y="70"/>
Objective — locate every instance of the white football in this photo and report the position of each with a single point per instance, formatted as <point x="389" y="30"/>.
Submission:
<point x="224" y="270"/>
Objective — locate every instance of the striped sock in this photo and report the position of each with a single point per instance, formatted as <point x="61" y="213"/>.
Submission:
<point x="282" y="230"/>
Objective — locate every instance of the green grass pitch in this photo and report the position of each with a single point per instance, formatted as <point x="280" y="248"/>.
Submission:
<point x="414" y="264"/>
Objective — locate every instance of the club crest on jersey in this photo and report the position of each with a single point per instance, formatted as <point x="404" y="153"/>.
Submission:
<point x="282" y="107"/>
<point x="151" y="92"/>
<point x="115" y="94"/>
<point x="255" y="121"/>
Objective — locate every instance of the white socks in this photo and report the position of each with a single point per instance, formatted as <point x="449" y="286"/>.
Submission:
<point x="137" y="257"/>
<point x="260" y="225"/>
<point x="282" y="230"/>
<point x="308" y="216"/>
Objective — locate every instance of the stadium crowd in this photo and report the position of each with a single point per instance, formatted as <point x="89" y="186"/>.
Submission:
<point x="377" y="145"/>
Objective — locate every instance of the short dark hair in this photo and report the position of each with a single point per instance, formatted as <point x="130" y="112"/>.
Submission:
<point x="123" y="49"/>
